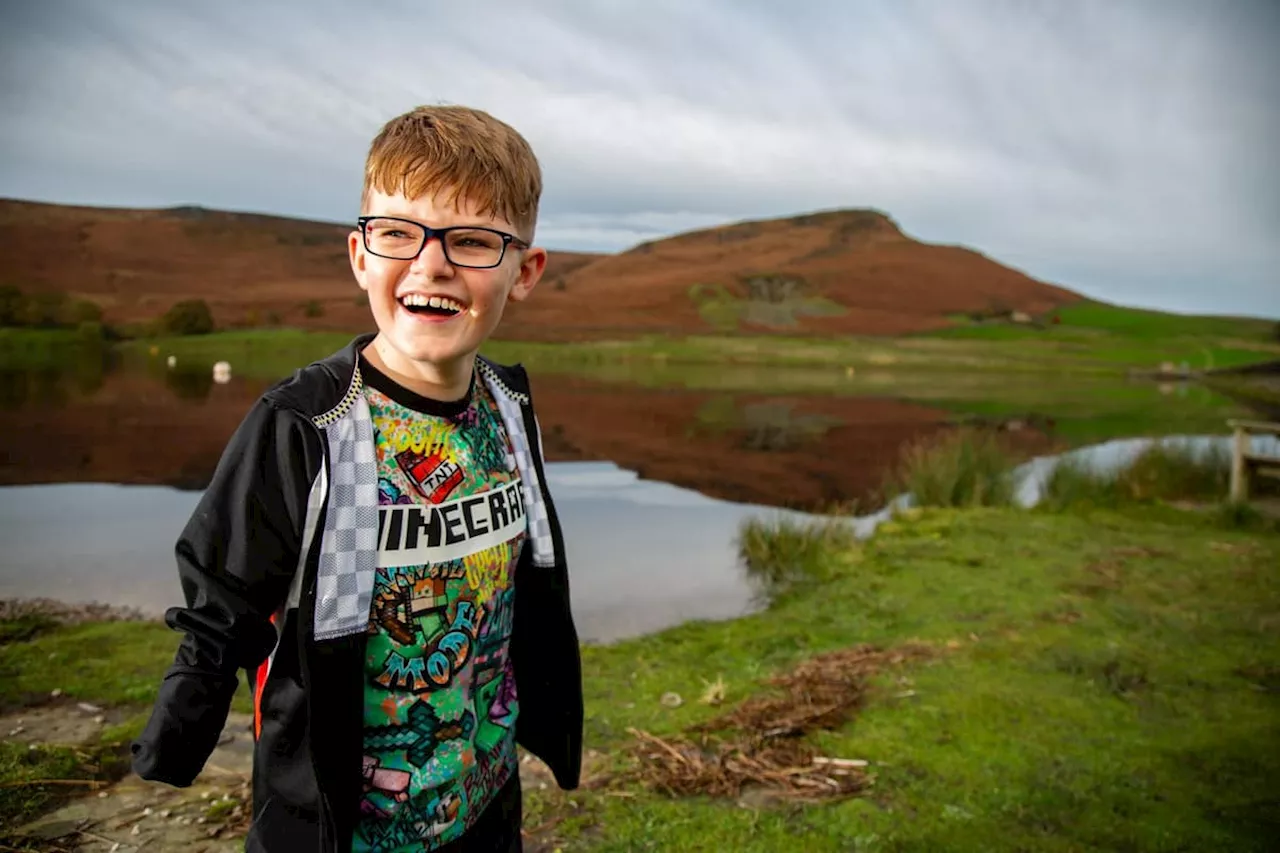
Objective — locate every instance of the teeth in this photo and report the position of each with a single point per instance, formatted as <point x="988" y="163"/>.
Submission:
<point x="420" y="300"/>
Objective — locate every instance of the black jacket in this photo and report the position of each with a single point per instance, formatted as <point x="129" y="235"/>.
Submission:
<point x="248" y="562"/>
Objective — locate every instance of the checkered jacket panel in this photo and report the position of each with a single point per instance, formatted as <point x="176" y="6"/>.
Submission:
<point x="349" y="539"/>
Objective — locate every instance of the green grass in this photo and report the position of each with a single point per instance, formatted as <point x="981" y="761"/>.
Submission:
<point x="1132" y="336"/>
<point x="256" y="353"/>
<point x="781" y="554"/>
<point x="21" y="768"/>
<point x="1089" y="317"/>
<point x="105" y="662"/>
<point x="964" y="468"/>
<point x="1087" y="412"/>
<point x="1140" y="323"/>
<point x="1097" y="353"/>
<point x="1164" y="471"/>
<point x="38" y="349"/>
<point x="1106" y="680"/>
<point x="1113" y="688"/>
<point x="115" y="665"/>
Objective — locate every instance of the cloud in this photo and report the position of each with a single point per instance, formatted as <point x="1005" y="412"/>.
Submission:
<point x="1120" y="149"/>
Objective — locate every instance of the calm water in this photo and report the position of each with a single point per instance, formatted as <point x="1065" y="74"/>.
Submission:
<point x="100" y="469"/>
<point x="643" y="555"/>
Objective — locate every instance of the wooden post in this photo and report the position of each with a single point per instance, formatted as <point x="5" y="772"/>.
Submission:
<point x="1239" y="471"/>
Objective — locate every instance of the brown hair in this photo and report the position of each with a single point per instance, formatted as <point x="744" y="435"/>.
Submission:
<point x="464" y="151"/>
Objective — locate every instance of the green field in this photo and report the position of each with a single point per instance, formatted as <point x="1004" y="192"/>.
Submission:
<point x="1078" y="399"/>
<point x="1116" y="333"/>
<point x="1090" y="339"/>
<point x="1099" y="680"/>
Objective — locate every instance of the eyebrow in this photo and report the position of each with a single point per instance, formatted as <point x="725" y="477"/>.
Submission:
<point x="461" y="224"/>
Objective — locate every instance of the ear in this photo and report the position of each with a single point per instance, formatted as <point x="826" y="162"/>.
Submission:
<point x="532" y="266"/>
<point x="355" y="249"/>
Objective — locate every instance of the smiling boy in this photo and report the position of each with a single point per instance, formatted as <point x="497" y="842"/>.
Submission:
<point x="378" y="548"/>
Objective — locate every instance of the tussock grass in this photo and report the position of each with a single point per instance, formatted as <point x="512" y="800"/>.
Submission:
<point x="1165" y="471"/>
<point x="780" y="553"/>
<point x="965" y="468"/>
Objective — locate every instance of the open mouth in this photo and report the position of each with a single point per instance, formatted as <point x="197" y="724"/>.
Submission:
<point x="431" y="306"/>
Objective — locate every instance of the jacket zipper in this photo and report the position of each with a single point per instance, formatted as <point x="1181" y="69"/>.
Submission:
<point x="328" y="832"/>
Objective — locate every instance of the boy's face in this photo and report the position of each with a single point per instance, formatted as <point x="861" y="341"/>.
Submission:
<point x="418" y="340"/>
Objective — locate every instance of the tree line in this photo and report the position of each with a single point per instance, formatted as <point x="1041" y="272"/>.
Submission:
<point x="56" y="310"/>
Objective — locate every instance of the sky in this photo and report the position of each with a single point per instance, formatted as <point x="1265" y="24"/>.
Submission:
<point x="1125" y="149"/>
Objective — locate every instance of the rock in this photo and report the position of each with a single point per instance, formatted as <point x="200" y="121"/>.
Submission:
<point x="51" y="829"/>
<point x="88" y="708"/>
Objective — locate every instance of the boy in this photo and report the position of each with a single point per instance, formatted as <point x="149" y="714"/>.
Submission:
<point x="378" y="547"/>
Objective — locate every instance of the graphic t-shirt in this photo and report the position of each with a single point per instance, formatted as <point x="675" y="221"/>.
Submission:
<point x="440" y="697"/>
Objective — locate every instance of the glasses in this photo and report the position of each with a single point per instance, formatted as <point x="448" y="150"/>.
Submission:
<point x="464" y="245"/>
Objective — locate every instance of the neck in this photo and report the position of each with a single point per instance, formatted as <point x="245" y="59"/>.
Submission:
<point x="445" y="383"/>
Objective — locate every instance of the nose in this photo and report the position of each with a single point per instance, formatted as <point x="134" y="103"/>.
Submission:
<point x="431" y="261"/>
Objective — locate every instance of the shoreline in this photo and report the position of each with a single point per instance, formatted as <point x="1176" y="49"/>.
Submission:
<point x="1064" y="640"/>
<point x="70" y="612"/>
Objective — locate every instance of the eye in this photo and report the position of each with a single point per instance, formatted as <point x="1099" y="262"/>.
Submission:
<point x="390" y="229"/>
<point x="477" y="240"/>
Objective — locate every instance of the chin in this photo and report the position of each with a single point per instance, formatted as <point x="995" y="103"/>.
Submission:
<point x="433" y="352"/>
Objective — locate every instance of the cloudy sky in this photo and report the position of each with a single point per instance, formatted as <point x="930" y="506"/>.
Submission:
<point x="1125" y="149"/>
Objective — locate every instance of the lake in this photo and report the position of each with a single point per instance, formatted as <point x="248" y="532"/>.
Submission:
<point x="100" y="466"/>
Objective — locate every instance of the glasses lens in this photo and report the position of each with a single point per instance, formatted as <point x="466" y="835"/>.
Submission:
<point x="392" y="238"/>
<point x="474" y="247"/>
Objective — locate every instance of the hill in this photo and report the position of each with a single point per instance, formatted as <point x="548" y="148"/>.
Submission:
<point x="827" y="273"/>
<point x="136" y="263"/>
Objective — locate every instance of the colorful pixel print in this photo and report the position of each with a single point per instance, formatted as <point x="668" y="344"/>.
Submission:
<point x="440" y="703"/>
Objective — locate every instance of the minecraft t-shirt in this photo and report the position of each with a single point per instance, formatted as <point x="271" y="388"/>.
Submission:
<point x="440" y="698"/>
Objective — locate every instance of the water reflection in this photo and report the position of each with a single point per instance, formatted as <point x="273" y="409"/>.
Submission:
<point x="100" y="467"/>
<point x="644" y="555"/>
<point x="795" y="446"/>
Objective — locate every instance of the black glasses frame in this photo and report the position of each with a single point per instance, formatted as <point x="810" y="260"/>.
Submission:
<point x="428" y="232"/>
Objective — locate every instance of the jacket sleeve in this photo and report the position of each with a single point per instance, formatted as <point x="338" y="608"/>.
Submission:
<point x="236" y="559"/>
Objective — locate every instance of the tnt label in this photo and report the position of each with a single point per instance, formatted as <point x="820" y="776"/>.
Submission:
<point x="434" y="476"/>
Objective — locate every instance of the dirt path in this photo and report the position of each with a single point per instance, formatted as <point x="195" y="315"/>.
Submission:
<point x="134" y="815"/>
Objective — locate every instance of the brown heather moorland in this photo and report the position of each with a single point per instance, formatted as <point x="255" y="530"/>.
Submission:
<point x="849" y="272"/>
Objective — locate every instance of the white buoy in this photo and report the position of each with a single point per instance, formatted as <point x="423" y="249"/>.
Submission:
<point x="222" y="372"/>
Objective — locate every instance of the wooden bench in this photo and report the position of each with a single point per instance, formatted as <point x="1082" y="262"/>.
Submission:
<point x="1244" y="462"/>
